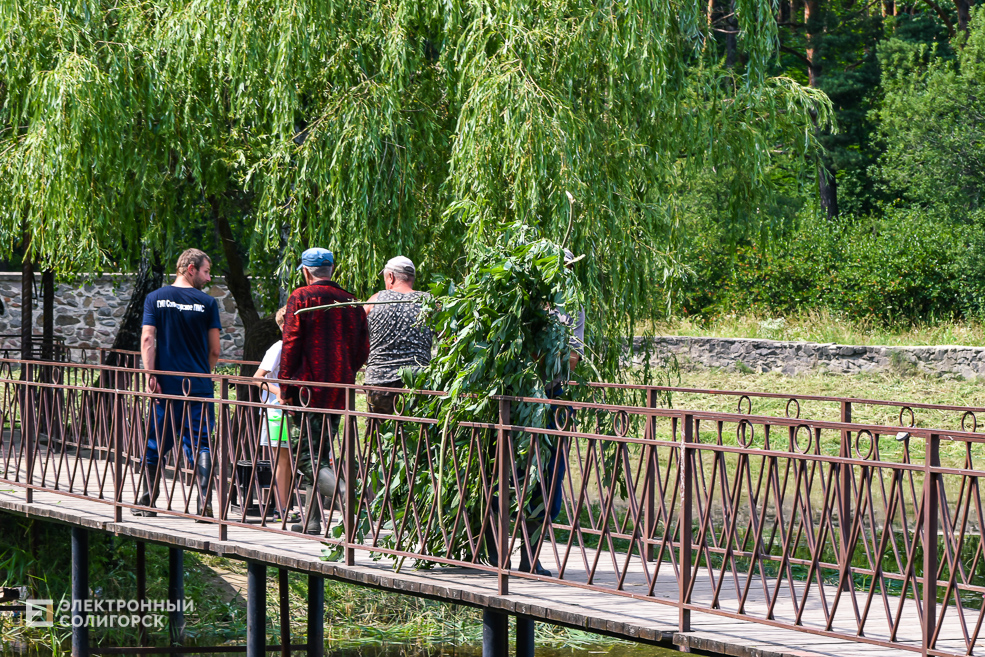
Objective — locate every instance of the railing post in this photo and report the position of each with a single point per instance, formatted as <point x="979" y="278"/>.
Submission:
<point x="350" y="429"/>
<point x="931" y="504"/>
<point x="118" y="432"/>
<point x="503" y="513"/>
<point x="650" y="480"/>
<point x="687" y="481"/>
<point x="28" y="430"/>
<point x="845" y="501"/>
<point x="223" y="446"/>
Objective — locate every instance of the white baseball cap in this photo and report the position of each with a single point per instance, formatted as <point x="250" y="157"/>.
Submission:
<point x="400" y="265"/>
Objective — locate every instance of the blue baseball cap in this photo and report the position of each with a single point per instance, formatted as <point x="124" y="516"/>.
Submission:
<point x="316" y="257"/>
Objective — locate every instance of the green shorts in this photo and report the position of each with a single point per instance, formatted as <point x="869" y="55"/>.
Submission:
<point x="274" y="429"/>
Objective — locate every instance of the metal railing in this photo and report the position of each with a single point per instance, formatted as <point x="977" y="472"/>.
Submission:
<point x="832" y="527"/>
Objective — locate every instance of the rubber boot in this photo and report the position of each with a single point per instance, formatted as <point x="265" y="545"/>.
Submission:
<point x="203" y="473"/>
<point x="327" y="482"/>
<point x="533" y="530"/>
<point x="312" y="524"/>
<point x="146" y="498"/>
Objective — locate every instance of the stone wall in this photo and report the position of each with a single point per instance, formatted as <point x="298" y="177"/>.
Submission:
<point x="87" y="313"/>
<point x="792" y="358"/>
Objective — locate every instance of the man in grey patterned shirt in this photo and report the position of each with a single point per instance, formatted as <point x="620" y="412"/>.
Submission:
<point x="397" y="338"/>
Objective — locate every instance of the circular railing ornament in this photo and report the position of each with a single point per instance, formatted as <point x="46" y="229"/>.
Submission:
<point x="620" y="423"/>
<point x="974" y="421"/>
<point x="304" y="396"/>
<point x="561" y="418"/>
<point x="740" y="433"/>
<point x="913" y="419"/>
<point x="858" y="443"/>
<point x="810" y="438"/>
<point x="748" y="405"/>
<point x="792" y="400"/>
<point x="398" y="403"/>
<point x="186" y="386"/>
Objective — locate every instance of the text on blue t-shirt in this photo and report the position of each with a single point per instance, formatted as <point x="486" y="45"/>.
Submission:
<point x="183" y="317"/>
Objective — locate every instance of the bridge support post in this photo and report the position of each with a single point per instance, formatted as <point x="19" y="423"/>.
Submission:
<point x="142" y="586"/>
<point x="524" y="636"/>
<point x="176" y="595"/>
<point x="283" y="587"/>
<point x="316" y="616"/>
<point x="80" y="591"/>
<point x="256" y="609"/>
<point x="495" y="633"/>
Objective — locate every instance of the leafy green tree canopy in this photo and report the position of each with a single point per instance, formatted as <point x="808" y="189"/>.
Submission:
<point x="932" y="120"/>
<point x="385" y="127"/>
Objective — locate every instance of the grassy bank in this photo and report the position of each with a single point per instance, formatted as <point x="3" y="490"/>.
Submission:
<point x="825" y="326"/>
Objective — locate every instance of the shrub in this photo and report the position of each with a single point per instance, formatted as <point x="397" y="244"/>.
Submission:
<point x="907" y="266"/>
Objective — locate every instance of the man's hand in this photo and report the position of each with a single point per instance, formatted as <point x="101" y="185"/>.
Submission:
<point x="148" y="354"/>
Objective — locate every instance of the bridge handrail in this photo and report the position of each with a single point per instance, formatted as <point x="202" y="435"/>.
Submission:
<point x="642" y="487"/>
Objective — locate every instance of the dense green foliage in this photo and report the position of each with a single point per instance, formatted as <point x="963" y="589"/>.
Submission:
<point x="909" y="266"/>
<point x="910" y="162"/>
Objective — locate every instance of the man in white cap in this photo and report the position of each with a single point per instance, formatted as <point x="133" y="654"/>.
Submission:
<point x="398" y="340"/>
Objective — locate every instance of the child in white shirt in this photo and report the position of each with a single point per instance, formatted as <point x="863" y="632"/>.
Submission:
<point x="274" y="433"/>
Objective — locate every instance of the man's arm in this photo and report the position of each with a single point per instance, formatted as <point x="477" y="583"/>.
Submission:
<point x="369" y="308"/>
<point x="577" y="342"/>
<point x="293" y="349"/>
<point x="215" y="348"/>
<point x="361" y="351"/>
<point x="148" y="353"/>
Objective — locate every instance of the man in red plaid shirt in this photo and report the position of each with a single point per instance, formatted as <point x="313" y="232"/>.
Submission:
<point x="327" y="346"/>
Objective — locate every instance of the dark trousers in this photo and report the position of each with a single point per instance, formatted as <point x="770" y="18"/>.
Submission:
<point x="382" y="402"/>
<point x="314" y="437"/>
<point x="193" y="420"/>
<point x="553" y="475"/>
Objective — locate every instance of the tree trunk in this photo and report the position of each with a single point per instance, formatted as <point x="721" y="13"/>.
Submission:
<point x="827" y="187"/>
<point x="826" y="182"/>
<point x="964" y="14"/>
<point x="731" y="37"/>
<point x="27" y="300"/>
<point x="258" y="332"/>
<point x="150" y="277"/>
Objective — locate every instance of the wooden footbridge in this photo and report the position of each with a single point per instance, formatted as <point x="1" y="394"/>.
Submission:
<point x="737" y="533"/>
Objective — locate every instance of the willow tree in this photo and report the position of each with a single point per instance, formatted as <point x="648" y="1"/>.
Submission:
<point x="385" y="127"/>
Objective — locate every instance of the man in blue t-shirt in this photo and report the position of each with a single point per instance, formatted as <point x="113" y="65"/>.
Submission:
<point x="181" y="334"/>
